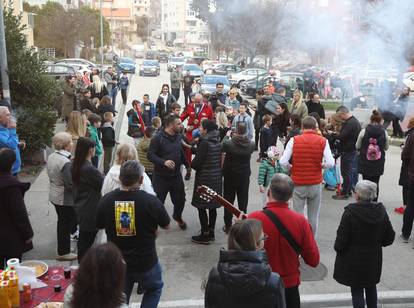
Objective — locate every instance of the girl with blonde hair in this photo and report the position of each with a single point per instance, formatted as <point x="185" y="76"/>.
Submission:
<point x="298" y="105"/>
<point x="222" y="122"/>
<point x="76" y="127"/>
<point x="124" y="153"/>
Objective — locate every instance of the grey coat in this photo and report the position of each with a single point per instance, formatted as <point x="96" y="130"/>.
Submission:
<point x="68" y="99"/>
<point x="58" y="170"/>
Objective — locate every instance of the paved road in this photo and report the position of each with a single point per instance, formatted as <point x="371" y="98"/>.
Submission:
<point x="186" y="265"/>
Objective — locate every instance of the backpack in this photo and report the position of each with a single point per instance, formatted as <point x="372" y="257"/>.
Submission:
<point x="373" y="151"/>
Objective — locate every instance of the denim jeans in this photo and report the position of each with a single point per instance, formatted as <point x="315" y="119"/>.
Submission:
<point x="358" y="297"/>
<point x="150" y="281"/>
<point x="347" y="166"/>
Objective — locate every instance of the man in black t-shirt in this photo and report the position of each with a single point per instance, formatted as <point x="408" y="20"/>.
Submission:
<point x="130" y="217"/>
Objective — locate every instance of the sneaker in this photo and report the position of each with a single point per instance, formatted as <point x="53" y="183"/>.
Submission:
<point x="202" y="238"/>
<point x="330" y="188"/>
<point x="181" y="223"/>
<point x="404" y="239"/>
<point x="211" y="236"/>
<point x="340" y="197"/>
<point x="226" y="229"/>
<point x="399" y="210"/>
<point x="74" y="237"/>
<point x="67" y="257"/>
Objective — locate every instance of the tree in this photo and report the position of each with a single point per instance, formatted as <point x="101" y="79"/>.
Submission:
<point x="63" y="30"/>
<point x="142" y="26"/>
<point x="33" y="94"/>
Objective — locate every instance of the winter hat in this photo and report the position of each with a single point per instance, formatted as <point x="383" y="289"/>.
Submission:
<point x="273" y="152"/>
<point x="209" y="125"/>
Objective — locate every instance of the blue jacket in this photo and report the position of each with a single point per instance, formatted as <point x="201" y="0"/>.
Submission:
<point x="148" y="112"/>
<point x="9" y="139"/>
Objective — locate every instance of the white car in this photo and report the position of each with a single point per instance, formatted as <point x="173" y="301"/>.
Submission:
<point x="76" y="61"/>
<point x="245" y="75"/>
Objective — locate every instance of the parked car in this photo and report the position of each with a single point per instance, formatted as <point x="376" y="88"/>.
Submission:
<point x="151" y="55"/>
<point x="224" y="69"/>
<point x="196" y="60"/>
<point x="194" y="69"/>
<point x="126" y="65"/>
<point x="59" y="71"/>
<point x="207" y="64"/>
<point x="174" y="62"/>
<point x="150" y="67"/>
<point x="81" y="68"/>
<point x="76" y="61"/>
<point x="163" y="57"/>
<point x="208" y="83"/>
<point x="250" y="87"/>
<point x="246" y="74"/>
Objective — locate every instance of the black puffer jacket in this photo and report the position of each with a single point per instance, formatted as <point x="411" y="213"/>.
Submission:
<point x="207" y="164"/>
<point x="364" y="229"/>
<point x="404" y="179"/>
<point x="163" y="110"/>
<point x="244" y="279"/>
<point x="372" y="167"/>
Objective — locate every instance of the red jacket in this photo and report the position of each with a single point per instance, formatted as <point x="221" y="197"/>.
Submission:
<point x="282" y="258"/>
<point x="307" y="158"/>
<point x="194" y="119"/>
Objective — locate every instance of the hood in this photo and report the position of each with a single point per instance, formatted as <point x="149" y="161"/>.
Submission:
<point x="241" y="140"/>
<point x="8" y="180"/>
<point x="212" y="136"/>
<point x="375" y="131"/>
<point x="244" y="273"/>
<point x="369" y="213"/>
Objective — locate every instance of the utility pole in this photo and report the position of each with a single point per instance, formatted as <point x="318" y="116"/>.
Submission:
<point x="3" y="58"/>
<point x="101" y="21"/>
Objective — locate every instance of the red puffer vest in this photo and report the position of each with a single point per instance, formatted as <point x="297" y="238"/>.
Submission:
<point x="307" y="158"/>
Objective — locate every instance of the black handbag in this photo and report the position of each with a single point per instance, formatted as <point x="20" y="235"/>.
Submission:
<point x="283" y="231"/>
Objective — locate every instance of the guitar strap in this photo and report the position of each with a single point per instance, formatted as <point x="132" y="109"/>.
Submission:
<point x="283" y="231"/>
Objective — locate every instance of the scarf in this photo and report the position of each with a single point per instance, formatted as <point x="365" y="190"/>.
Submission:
<point x="141" y="122"/>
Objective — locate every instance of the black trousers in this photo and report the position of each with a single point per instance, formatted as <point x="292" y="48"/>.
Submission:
<point x="187" y="98"/>
<point x="408" y="217"/>
<point x="175" y="93"/>
<point x="292" y="297"/>
<point x="405" y="191"/>
<point x="236" y="185"/>
<point x="86" y="240"/>
<point x="207" y="219"/>
<point x="374" y="179"/>
<point x="358" y="300"/>
<point x="124" y="96"/>
<point x="173" y="185"/>
<point x="66" y="224"/>
<point x="347" y="162"/>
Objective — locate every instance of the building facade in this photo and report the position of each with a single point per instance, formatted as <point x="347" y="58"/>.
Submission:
<point x="27" y="19"/>
<point x="180" y="25"/>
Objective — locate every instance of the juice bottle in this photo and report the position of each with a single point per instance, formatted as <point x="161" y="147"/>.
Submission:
<point x="14" y="289"/>
<point x="4" y="294"/>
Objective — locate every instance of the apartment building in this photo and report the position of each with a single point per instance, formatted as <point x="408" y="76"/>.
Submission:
<point x="141" y="7"/>
<point x="27" y="19"/>
<point x="180" y="25"/>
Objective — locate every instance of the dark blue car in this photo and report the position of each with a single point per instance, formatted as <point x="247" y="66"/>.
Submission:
<point x="126" y="65"/>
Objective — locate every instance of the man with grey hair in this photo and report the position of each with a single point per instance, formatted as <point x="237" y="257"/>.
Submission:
<point x="9" y="138"/>
<point x="278" y="220"/>
<point x="309" y="154"/>
<point x="131" y="217"/>
<point x="364" y="229"/>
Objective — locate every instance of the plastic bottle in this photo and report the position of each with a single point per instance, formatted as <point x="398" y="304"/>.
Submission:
<point x="27" y="293"/>
<point x="14" y="294"/>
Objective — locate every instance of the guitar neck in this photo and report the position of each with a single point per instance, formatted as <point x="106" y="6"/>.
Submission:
<point x="227" y="205"/>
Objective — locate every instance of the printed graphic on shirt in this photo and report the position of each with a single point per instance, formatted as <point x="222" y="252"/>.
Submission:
<point x="125" y="218"/>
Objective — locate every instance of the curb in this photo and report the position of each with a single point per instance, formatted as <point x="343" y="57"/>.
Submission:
<point x="311" y="300"/>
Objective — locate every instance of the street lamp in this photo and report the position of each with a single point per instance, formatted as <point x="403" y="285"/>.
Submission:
<point x="101" y="24"/>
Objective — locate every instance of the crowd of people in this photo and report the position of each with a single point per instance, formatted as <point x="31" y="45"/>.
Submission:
<point x="126" y="199"/>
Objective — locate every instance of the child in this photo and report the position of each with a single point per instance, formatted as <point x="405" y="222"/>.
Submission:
<point x="265" y="136"/>
<point x="175" y="109"/>
<point x="148" y="110"/>
<point x="142" y="149"/>
<point x="156" y="123"/>
<point x="268" y="168"/>
<point x="108" y="139"/>
<point x="94" y="133"/>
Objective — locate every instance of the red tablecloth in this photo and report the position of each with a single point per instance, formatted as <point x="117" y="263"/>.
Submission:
<point x="54" y="276"/>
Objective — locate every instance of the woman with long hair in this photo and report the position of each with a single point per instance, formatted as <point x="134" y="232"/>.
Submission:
<point x="372" y="143"/>
<point x="124" y="153"/>
<point x="105" y="105"/>
<point x="136" y="125"/>
<point x="281" y="121"/>
<point x="164" y="101"/>
<point x="87" y="184"/>
<point x="298" y="105"/>
<point x="243" y="277"/>
<point x="207" y="164"/>
<point x="98" y="89"/>
<point x="76" y="127"/>
<point x="99" y="281"/>
<point x="222" y="122"/>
